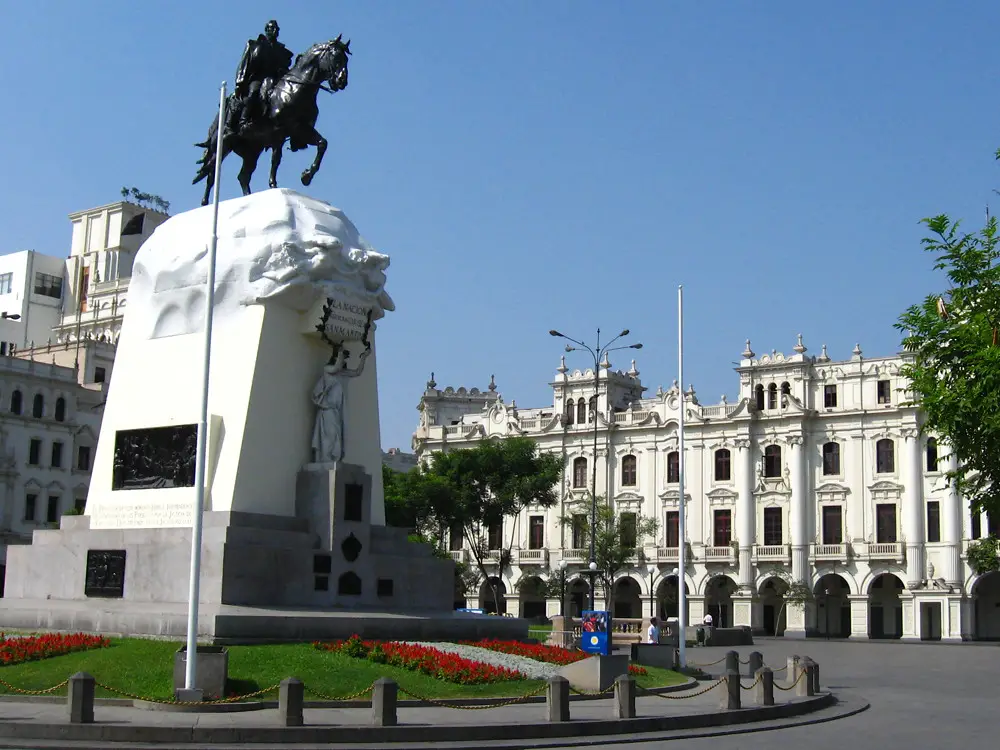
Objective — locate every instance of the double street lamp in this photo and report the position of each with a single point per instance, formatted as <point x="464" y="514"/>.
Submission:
<point x="597" y="352"/>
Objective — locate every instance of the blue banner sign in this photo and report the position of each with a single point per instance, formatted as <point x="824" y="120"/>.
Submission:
<point x="595" y="636"/>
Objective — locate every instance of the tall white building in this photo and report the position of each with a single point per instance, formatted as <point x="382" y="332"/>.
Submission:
<point x="817" y="473"/>
<point x="32" y="288"/>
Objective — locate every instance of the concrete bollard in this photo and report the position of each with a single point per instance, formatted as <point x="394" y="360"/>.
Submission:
<point x="815" y="677"/>
<point x="731" y="689"/>
<point x="792" y="672"/>
<point x="764" y="690"/>
<point x="677" y="659"/>
<point x="625" y="697"/>
<point x="80" y="698"/>
<point x="291" y="695"/>
<point x="384" y="702"/>
<point x="756" y="662"/>
<point x="557" y="699"/>
<point x="732" y="662"/>
<point x="804" y="687"/>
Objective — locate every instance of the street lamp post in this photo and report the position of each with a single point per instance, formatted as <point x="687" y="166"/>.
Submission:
<point x="562" y="588"/>
<point x="597" y="352"/>
<point x="652" y="597"/>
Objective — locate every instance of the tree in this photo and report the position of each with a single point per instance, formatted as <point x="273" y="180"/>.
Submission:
<point x="797" y="592"/>
<point x="146" y="200"/>
<point x="955" y="367"/>
<point x="617" y="542"/>
<point x="474" y="489"/>
<point x="984" y="555"/>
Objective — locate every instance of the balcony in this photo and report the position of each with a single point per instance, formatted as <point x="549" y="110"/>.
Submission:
<point x="576" y="555"/>
<point x="886" y="551"/>
<point x="459" y="555"/>
<point x="720" y="555"/>
<point x="492" y="557"/>
<point x="771" y="553"/>
<point x="831" y="552"/>
<point x="531" y="556"/>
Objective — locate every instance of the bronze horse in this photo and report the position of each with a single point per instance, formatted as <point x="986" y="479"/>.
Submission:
<point x="290" y="113"/>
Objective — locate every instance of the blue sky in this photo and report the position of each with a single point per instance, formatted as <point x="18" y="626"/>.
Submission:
<point x="565" y="165"/>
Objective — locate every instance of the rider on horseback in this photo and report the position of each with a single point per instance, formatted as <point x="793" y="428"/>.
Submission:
<point x="263" y="58"/>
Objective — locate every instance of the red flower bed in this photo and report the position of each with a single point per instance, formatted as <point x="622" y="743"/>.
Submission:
<point x="430" y="661"/>
<point x="536" y="651"/>
<point x="636" y="671"/>
<point x="33" y="647"/>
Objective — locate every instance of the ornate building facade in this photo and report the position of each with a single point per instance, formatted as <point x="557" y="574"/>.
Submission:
<point x="814" y="503"/>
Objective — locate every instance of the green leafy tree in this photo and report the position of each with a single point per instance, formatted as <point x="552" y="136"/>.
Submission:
<point x="617" y="541"/>
<point x="952" y="338"/>
<point x="984" y="555"/>
<point x="473" y="489"/>
<point x="796" y="592"/>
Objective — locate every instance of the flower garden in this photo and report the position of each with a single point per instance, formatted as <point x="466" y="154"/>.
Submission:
<point x="20" y="649"/>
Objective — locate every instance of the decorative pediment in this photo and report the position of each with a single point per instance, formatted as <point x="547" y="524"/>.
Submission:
<point x="832" y="491"/>
<point x="628" y="498"/>
<point x="770" y="499"/>
<point x="672" y="498"/>
<point x="885" y="486"/>
<point x="721" y="493"/>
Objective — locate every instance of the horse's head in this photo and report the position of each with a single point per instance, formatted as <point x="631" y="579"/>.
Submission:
<point x="334" y="62"/>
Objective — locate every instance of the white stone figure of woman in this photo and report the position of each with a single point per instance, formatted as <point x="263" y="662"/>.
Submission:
<point x="328" y="396"/>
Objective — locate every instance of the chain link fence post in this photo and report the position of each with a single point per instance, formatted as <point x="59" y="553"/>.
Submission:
<point x="557" y="699"/>
<point x="291" y="695"/>
<point x="765" y="687"/>
<point x="625" y="697"/>
<point x="384" y="702"/>
<point x="80" y="698"/>
<point x="731" y="684"/>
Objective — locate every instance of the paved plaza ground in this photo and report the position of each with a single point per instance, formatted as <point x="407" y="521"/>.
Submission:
<point x="922" y="696"/>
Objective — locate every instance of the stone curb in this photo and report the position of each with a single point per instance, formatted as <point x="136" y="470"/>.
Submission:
<point x="132" y="734"/>
<point x="222" y="708"/>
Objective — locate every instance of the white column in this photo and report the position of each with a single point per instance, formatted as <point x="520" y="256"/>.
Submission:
<point x="913" y="508"/>
<point x="745" y="510"/>
<point x="800" y="512"/>
<point x="951" y="522"/>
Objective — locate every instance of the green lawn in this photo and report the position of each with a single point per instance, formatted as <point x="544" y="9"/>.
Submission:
<point x="145" y="668"/>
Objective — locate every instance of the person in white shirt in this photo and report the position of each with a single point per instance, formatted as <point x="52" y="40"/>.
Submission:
<point x="708" y="620"/>
<point x="653" y="634"/>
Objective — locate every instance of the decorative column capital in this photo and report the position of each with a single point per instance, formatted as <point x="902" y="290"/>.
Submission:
<point x="795" y="441"/>
<point x="743" y="444"/>
<point x="910" y="433"/>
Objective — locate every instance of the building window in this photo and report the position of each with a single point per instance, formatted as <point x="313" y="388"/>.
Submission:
<point x="977" y="525"/>
<point x="673" y="528"/>
<point x="722" y="534"/>
<point x="455" y="537"/>
<point x="30" y="501"/>
<point x="833" y="524"/>
<point x="60" y="413"/>
<point x="993" y="524"/>
<point x="885" y="456"/>
<point x="628" y="471"/>
<point x="932" y="454"/>
<point x="15" y="402"/>
<point x="933" y="521"/>
<point x="885" y="523"/>
<point x="579" y="531"/>
<point x="536" y="532"/>
<point x="34" y="452"/>
<point x="628" y="529"/>
<point x="57" y="454"/>
<point x="52" y="512"/>
<point x="831" y="459"/>
<point x="6" y="283"/>
<point x="786" y="389"/>
<point x="494" y="535"/>
<point x="99" y="374"/>
<point x="579" y="473"/>
<point x="723" y="465"/>
<point x="592" y="414"/>
<point x="830" y="396"/>
<point x="83" y="458"/>
<point x="772" y="461"/>
<point x="48" y="285"/>
<point x="581" y="412"/>
<point x="38" y="406"/>
<point x="570" y="411"/>
<point x="772" y="526"/>
<point x="772" y="396"/>
<point x="884" y="392"/>
<point x="673" y="467"/>
<point x="758" y="394"/>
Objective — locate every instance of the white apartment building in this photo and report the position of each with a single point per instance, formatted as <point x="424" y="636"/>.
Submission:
<point x="817" y="473"/>
<point x="31" y="292"/>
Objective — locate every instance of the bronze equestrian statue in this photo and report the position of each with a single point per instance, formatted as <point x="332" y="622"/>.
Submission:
<point x="274" y="101"/>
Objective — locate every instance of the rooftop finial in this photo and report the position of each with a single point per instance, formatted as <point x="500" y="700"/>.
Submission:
<point x="562" y="365"/>
<point x="823" y="356"/>
<point x="606" y="364"/>
<point x="431" y="385"/>
<point x="748" y="352"/>
<point x="493" y="383"/>
<point x="856" y="352"/>
<point x="799" y="347"/>
<point x="634" y="373"/>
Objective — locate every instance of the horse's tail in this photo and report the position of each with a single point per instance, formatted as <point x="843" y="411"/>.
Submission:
<point x="207" y="160"/>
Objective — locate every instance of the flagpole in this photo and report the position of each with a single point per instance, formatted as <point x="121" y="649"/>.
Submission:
<point x="681" y="524"/>
<point x="202" y="456"/>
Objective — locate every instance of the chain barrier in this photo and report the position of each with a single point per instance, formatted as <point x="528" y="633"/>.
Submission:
<point x="797" y="681"/>
<point x="779" y="669"/>
<point x="752" y="686"/>
<point x="584" y="692"/>
<point x="744" y="663"/>
<point x="341" y="697"/>
<point x="172" y="702"/>
<point x="670" y="697"/>
<point x="445" y="704"/>
<point x="52" y="689"/>
<point x="710" y="664"/>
